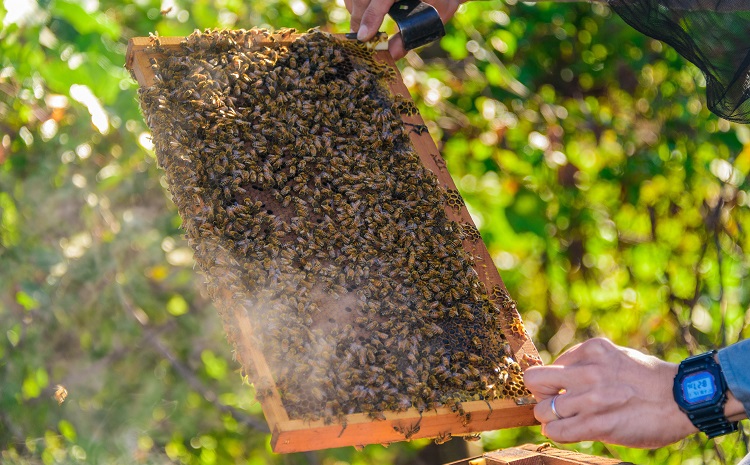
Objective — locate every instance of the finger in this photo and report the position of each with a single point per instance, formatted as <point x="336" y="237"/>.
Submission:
<point x="586" y="352"/>
<point x="396" y="46"/>
<point x="580" y="428"/>
<point x="372" y="18"/>
<point x="562" y="431"/>
<point x="570" y="356"/>
<point x="545" y="381"/>
<point x="591" y="403"/>
<point x="566" y="405"/>
<point x="357" y="8"/>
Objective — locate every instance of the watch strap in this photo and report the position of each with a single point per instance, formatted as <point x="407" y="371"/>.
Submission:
<point x="711" y="421"/>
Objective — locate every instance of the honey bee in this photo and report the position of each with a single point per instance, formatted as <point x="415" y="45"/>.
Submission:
<point x="153" y="39"/>
<point x="316" y="393"/>
<point x="532" y="360"/>
<point x="442" y="438"/>
<point x="409" y="431"/>
<point x="471" y="371"/>
<point x="60" y="394"/>
<point x="377" y="415"/>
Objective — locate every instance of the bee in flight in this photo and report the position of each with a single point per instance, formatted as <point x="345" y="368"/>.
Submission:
<point x="60" y="394"/>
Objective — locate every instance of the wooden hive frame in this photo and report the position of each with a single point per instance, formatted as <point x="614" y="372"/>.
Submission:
<point x="535" y="454"/>
<point x="292" y="435"/>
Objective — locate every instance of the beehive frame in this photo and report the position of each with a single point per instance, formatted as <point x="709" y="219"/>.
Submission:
<point x="537" y="454"/>
<point x="292" y="435"/>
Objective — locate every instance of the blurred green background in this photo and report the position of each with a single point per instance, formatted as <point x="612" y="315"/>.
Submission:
<point x="611" y="200"/>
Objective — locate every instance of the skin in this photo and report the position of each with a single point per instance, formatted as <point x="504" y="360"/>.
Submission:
<point x="367" y="16"/>
<point x="614" y="395"/>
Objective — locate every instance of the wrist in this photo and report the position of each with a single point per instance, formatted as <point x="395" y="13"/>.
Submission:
<point x="733" y="410"/>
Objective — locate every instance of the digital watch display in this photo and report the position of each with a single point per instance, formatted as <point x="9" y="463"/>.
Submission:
<point x="701" y="392"/>
<point x="699" y="387"/>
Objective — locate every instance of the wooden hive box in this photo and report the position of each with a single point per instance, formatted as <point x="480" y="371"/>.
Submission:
<point x="358" y="429"/>
<point x="536" y="454"/>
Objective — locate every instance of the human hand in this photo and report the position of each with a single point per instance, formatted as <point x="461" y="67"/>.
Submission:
<point x="367" y="16"/>
<point x="611" y="394"/>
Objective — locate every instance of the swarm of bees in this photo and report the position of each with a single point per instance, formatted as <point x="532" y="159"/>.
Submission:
<point x="303" y="197"/>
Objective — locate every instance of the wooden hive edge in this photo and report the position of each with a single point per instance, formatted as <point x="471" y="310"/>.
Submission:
<point x="360" y="429"/>
<point x="537" y="454"/>
<point x="138" y="55"/>
<point x="545" y="455"/>
<point x="273" y="408"/>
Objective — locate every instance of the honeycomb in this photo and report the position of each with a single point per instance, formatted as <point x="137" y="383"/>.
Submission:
<point x="304" y="199"/>
<point x="454" y="199"/>
<point x="471" y="232"/>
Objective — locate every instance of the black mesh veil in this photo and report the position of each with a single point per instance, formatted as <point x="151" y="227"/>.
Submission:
<point x="712" y="34"/>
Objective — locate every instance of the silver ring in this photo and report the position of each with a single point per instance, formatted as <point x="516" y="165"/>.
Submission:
<point x="554" y="410"/>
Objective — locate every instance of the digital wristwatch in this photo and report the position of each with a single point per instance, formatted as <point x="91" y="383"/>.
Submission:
<point x="700" y="391"/>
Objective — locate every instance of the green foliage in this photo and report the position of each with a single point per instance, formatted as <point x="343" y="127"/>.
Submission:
<point x="611" y="200"/>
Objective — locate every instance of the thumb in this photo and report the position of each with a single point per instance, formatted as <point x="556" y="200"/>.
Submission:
<point x="372" y="18"/>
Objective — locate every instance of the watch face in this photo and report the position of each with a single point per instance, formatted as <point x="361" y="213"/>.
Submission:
<point x="699" y="387"/>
